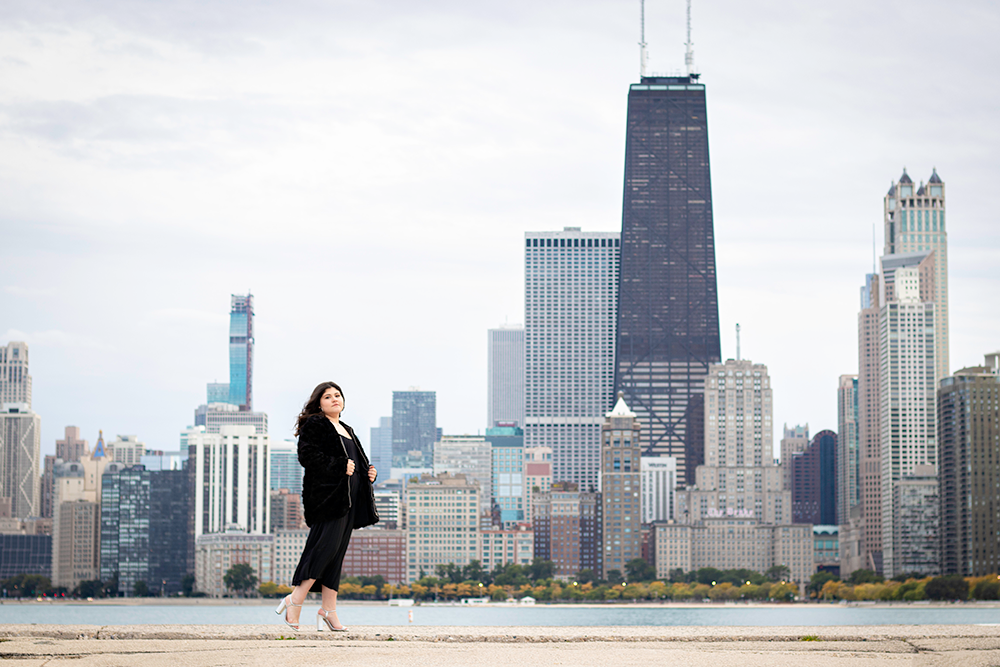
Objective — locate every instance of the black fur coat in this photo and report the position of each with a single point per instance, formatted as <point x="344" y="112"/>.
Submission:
<point x="326" y="491"/>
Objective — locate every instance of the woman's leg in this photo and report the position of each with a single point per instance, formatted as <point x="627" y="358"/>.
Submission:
<point x="330" y="605"/>
<point x="298" y="596"/>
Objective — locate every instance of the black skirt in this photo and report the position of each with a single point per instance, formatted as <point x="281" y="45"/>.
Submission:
<point x="323" y="556"/>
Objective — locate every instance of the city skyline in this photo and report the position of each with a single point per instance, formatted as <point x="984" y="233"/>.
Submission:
<point x="142" y="198"/>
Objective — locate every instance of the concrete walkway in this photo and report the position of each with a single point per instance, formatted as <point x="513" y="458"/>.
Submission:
<point x="417" y="646"/>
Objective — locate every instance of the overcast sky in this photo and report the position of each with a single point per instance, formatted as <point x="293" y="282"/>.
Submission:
<point x="369" y="169"/>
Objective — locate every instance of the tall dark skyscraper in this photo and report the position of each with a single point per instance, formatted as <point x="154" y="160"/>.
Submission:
<point x="668" y="309"/>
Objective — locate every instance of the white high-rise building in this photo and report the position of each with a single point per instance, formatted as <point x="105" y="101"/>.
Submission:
<point x="469" y="455"/>
<point x="739" y="513"/>
<point x="232" y="478"/>
<point x="505" y="376"/>
<point x="914" y="223"/>
<point x="907" y="400"/>
<point x="20" y="459"/>
<point x="848" y="461"/>
<point x="126" y="449"/>
<point x="659" y="483"/>
<point x="570" y="303"/>
<point x="15" y="381"/>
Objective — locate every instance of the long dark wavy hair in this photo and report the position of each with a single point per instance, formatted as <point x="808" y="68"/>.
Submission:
<point x="312" y="405"/>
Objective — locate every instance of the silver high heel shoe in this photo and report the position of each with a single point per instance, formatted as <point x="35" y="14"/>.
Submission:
<point x="323" y="621"/>
<point x="286" y="602"/>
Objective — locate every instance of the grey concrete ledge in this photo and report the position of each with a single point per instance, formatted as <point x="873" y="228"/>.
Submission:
<point x="988" y="636"/>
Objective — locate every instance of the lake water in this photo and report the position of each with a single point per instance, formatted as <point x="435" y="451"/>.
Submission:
<point x="251" y="614"/>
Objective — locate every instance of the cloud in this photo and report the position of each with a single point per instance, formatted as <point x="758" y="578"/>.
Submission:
<point x="184" y="316"/>
<point x="29" y="292"/>
<point x="55" y="338"/>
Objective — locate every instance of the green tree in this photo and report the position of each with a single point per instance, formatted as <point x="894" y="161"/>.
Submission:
<point x="451" y="572"/>
<point x="140" y="590"/>
<point x="676" y="575"/>
<point x="585" y="576"/>
<point x="864" y="577"/>
<point x="240" y="578"/>
<point x="784" y="592"/>
<point x="615" y="577"/>
<point x="740" y="577"/>
<point x="638" y="569"/>
<point x="510" y="574"/>
<point x="26" y="585"/>
<point x="778" y="573"/>
<point x="474" y="572"/>
<point x="540" y="569"/>
<point x="709" y="575"/>
<point x="987" y="590"/>
<point x="950" y="587"/>
<point x="187" y="584"/>
<point x="817" y="580"/>
<point x="93" y="588"/>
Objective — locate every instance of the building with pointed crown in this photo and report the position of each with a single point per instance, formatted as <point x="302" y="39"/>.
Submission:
<point x="914" y="222"/>
<point x="621" y="493"/>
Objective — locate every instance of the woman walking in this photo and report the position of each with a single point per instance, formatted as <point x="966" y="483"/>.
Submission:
<point x="337" y="497"/>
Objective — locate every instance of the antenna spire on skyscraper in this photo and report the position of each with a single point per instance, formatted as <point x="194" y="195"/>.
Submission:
<point x="642" y="39"/>
<point x="689" y="53"/>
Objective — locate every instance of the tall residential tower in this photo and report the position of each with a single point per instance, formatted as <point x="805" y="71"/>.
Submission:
<point x="15" y="381"/>
<point x="914" y="223"/>
<point x="241" y="351"/>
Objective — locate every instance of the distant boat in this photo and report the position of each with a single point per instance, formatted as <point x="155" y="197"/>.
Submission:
<point x="475" y="601"/>
<point x="401" y="602"/>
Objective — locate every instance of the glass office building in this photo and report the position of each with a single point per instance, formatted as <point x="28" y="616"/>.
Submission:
<point x="569" y="313"/>
<point x="507" y="452"/>
<point x="668" y="313"/>
<point x="241" y="351"/>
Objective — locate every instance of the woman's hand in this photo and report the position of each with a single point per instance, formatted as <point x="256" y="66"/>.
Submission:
<point x="350" y="467"/>
<point x="372" y="473"/>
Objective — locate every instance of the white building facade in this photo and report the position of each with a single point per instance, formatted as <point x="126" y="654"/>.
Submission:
<point x="232" y="478"/>
<point x="915" y="223"/>
<point x="908" y="408"/>
<point x="848" y="459"/>
<point x="215" y="554"/>
<point x="739" y="513"/>
<point x="20" y="458"/>
<point x="659" y="485"/>
<point x="15" y="381"/>
<point x="469" y="455"/>
<point x="571" y="287"/>
<point x="288" y="547"/>
<point x="501" y="547"/>
<point x="442" y="524"/>
<point x="126" y="449"/>
<point x="505" y="376"/>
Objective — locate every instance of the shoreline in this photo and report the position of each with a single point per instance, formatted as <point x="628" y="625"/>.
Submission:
<point x="268" y="602"/>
